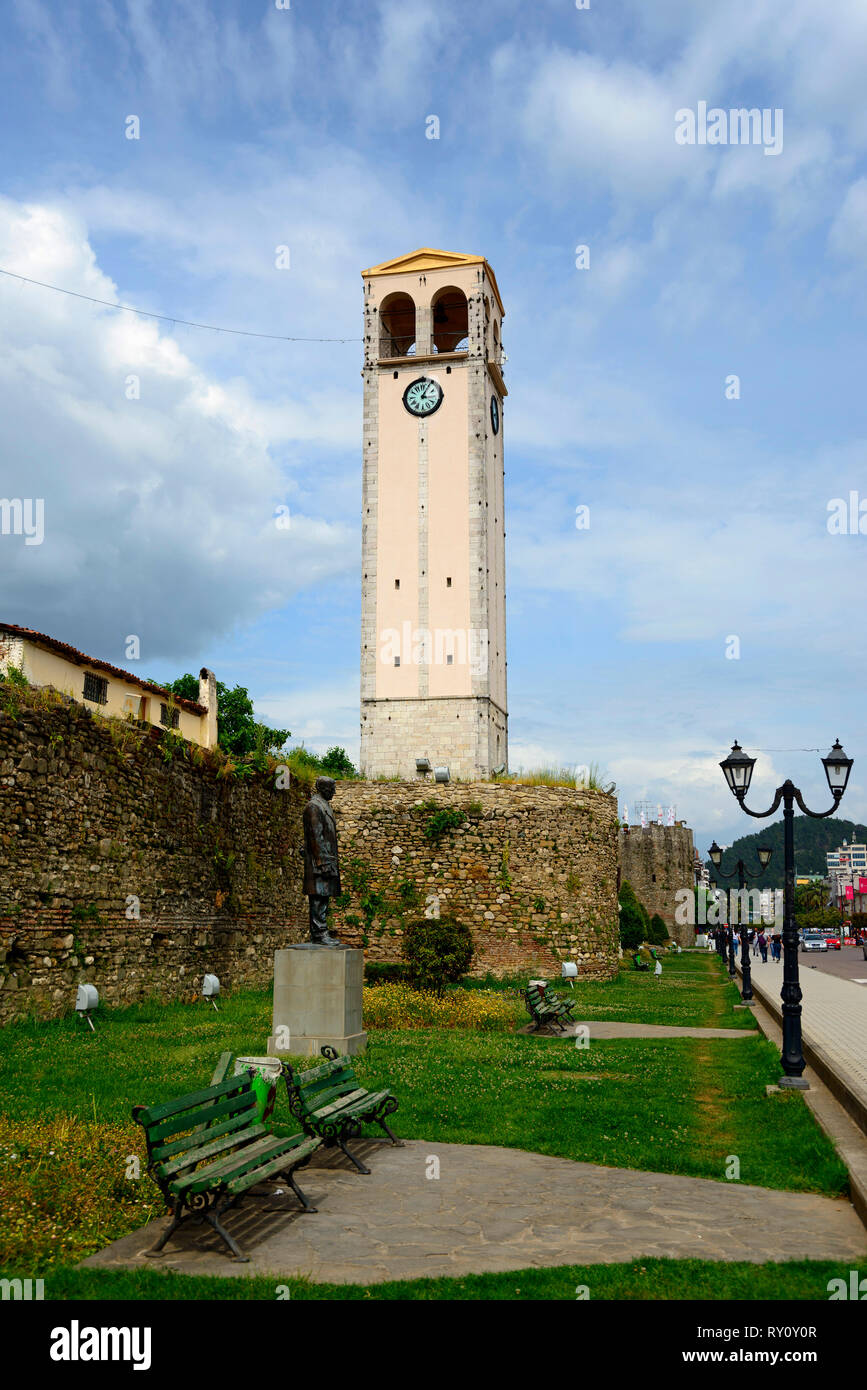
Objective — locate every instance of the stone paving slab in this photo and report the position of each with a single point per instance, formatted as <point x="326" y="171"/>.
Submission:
<point x="493" y="1210"/>
<point x="603" y="1028"/>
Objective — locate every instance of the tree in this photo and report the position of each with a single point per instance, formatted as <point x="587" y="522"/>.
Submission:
<point x="238" y="732"/>
<point x="338" y="763"/>
<point x="818" y="919"/>
<point x="810" y="897"/>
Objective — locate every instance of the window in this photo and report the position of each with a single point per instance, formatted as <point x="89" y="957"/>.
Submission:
<point x="164" y="716"/>
<point x="95" y="688"/>
<point x="448" y="582"/>
<point x="397" y="663"/>
<point x="397" y="583"/>
<point x="449" y="659"/>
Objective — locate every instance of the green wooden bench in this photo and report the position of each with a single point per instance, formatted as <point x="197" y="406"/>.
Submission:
<point x="544" y="1007"/>
<point x="206" y="1149"/>
<point x="330" y="1103"/>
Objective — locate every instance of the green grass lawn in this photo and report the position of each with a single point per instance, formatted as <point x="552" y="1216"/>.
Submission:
<point x="664" y="1105"/>
<point x="640" y="1280"/>
<point x="693" y="992"/>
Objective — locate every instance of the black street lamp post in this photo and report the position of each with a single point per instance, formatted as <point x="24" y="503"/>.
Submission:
<point x="716" y="855"/>
<point x="738" y="769"/>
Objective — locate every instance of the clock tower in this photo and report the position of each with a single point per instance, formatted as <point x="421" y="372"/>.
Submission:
<point x="433" y="607"/>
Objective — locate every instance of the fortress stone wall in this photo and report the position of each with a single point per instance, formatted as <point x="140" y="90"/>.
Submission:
<point x="129" y="861"/>
<point x="531" y="869"/>
<point x="98" y="821"/>
<point x="656" y="861"/>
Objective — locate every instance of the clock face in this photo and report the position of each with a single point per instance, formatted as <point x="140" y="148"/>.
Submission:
<point x="423" y="396"/>
<point x="495" y="415"/>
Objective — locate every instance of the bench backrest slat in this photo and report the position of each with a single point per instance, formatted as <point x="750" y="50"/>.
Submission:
<point x="342" y="1077"/>
<point x="320" y="1073"/>
<point x="202" y="1115"/>
<point x="315" y="1100"/>
<point x="239" y="1121"/>
<point x="152" y="1113"/>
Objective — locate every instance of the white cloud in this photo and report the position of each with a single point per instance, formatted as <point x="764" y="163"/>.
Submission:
<point x="848" y="235"/>
<point x="159" y="510"/>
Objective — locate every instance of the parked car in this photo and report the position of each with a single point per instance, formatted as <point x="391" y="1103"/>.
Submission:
<point x="833" y="943"/>
<point x="813" y="941"/>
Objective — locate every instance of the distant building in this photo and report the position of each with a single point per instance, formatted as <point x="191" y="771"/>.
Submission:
<point x="852" y="859"/>
<point x="106" y="689"/>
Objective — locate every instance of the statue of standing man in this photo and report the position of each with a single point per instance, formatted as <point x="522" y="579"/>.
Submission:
<point x="321" y="864"/>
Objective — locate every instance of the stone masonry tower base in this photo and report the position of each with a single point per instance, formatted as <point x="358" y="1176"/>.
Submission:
<point x="466" y="734"/>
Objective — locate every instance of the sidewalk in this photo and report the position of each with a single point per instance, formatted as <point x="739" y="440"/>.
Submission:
<point x="833" y="1024"/>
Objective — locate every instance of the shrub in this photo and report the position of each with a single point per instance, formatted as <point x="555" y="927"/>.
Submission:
<point x="634" y="919"/>
<point x="658" y="934"/>
<point x="438" y="951"/>
<point x="442" y="820"/>
<point x="397" y="1006"/>
<point x="384" y="972"/>
<point x="631" y="927"/>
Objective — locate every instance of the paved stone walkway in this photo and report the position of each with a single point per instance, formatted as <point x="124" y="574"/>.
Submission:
<point x="602" y="1028"/>
<point x="493" y="1209"/>
<point x="834" y="1017"/>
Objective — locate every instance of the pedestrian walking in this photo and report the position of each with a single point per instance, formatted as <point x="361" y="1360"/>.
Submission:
<point x="776" y="946"/>
<point x="658" y="969"/>
<point x="755" y="942"/>
<point x="763" y="946"/>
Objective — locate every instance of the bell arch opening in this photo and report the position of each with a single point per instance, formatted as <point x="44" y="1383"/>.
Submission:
<point x="450" y="320"/>
<point x="397" y="326"/>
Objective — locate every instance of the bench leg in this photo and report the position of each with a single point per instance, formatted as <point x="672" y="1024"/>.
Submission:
<point x="213" y="1218"/>
<point x="357" y="1161"/>
<point x="157" y="1249"/>
<point x="306" y="1206"/>
<point x="398" y="1143"/>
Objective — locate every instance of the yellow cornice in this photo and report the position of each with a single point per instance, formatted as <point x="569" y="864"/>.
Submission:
<point x="429" y="258"/>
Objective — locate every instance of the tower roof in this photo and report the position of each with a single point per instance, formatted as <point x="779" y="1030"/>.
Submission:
<point x="429" y="258"/>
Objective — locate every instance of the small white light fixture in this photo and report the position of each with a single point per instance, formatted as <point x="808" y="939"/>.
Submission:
<point x="210" y="989"/>
<point x="86" y="1000"/>
<point x="441" y="774"/>
<point x="422" y="765"/>
<point x="569" y="972"/>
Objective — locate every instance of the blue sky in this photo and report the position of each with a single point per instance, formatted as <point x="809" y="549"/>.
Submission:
<point x="306" y="128"/>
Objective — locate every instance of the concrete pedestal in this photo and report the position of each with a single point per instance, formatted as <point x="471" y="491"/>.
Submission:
<point x="317" y="1001"/>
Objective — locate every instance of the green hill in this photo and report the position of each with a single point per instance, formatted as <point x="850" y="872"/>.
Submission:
<point x="812" y="839"/>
